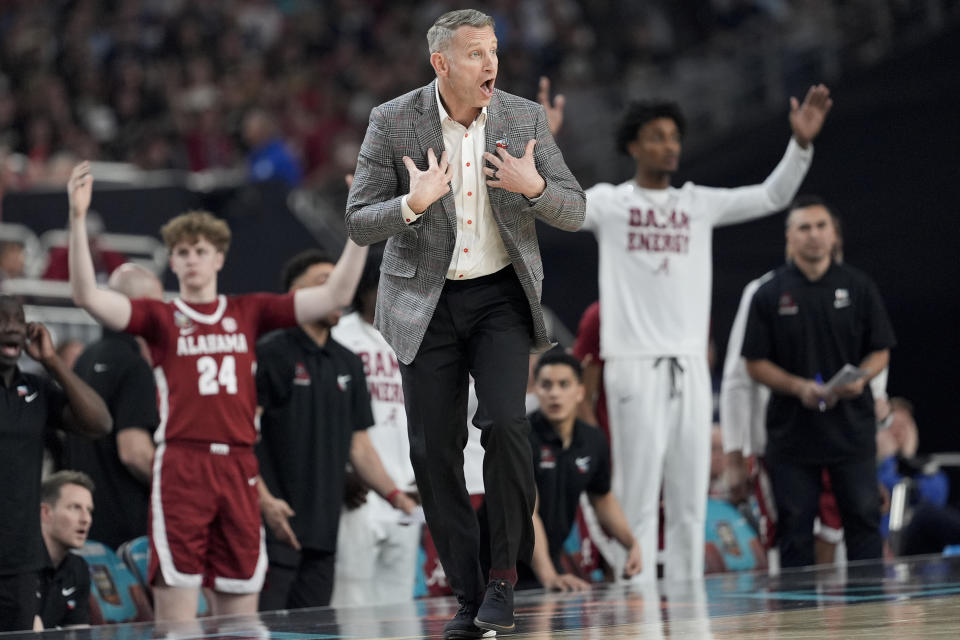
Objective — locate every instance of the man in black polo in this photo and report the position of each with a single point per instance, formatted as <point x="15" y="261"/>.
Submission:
<point x="120" y="464"/>
<point x="813" y="317"/>
<point x="30" y="405"/>
<point x="66" y="512"/>
<point x="569" y="457"/>
<point x="315" y="412"/>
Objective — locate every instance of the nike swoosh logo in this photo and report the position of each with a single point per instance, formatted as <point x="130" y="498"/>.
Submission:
<point x="68" y="592"/>
<point x="32" y="396"/>
<point x="188" y="330"/>
<point x="99" y="367"/>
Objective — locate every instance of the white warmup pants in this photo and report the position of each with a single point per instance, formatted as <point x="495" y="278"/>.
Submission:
<point x="661" y="412"/>
<point x="376" y="559"/>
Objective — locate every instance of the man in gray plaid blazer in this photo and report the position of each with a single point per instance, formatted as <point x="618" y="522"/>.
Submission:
<point x="453" y="176"/>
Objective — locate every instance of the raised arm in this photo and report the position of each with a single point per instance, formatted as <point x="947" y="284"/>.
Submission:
<point x="775" y="193"/>
<point x="85" y="412"/>
<point x="109" y="308"/>
<point x="313" y="303"/>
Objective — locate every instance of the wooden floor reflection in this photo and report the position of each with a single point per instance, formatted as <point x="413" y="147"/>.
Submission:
<point x="909" y="599"/>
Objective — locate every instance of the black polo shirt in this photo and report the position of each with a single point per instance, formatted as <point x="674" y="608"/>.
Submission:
<point x="29" y="407"/>
<point x="815" y="327"/>
<point x="115" y="369"/>
<point x="563" y="474"/>
<point x="314" y="398"/>
<point x="66" y="592"/>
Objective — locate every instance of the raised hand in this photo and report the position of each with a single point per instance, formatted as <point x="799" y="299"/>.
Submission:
<point x="807" y="119"/>
<point x="80" y="190"/>
<point x="517" y="175"/>
<point x="426" y="187"/>
<point x="40" y="344"/>
<point x="554" y="111"/>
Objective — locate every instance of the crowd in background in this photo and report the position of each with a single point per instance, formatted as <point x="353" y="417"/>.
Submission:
<point x="167" y="84"/>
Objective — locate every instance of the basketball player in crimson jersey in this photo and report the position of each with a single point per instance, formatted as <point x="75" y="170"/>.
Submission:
<point x="205" y="527"/>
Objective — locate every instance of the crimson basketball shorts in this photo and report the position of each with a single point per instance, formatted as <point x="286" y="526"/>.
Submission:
<point x="205" y="526"/>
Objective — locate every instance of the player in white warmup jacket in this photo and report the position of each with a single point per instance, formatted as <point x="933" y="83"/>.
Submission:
<point x="655" y="245"/>
<point x="377" y="545"/>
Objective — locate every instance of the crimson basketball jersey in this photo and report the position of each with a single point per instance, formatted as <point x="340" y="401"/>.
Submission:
<point x="204" y="360"/>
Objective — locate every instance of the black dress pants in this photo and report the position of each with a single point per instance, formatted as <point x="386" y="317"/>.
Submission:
<point x="481" y="327"/>
<point x="307" y="581"/>
<point x="796" y="491"/>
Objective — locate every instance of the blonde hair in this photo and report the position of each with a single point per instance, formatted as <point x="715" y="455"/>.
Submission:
<point x="192" y="225"/>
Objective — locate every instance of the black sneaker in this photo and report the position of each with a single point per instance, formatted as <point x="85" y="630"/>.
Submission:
<point x="462" y="626"/>
<point x="496" y="612"/>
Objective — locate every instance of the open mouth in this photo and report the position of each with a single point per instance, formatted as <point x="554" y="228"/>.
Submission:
<point x="487" y="87"/>
<point x="10" y="349"/>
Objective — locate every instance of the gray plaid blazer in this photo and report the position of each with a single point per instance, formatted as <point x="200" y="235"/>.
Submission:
<point x="417" y="256"/>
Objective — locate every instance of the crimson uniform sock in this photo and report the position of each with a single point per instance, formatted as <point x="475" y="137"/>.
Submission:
<point x="510" y="575"/>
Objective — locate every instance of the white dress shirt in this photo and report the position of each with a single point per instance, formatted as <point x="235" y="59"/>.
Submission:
<point x="479" y="250"/>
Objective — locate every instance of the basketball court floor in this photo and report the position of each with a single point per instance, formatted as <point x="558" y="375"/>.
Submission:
<point x="914" y="598"/>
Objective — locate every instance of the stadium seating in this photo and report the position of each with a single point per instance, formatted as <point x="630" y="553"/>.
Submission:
<point x="136" y="555"/>
<point x="115" y="593"/>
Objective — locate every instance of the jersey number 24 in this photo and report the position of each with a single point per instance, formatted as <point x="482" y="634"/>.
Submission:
<point x="213" y="378"/>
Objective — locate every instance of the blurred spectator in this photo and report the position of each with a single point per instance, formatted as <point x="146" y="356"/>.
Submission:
<point x="120" y="464"/>
<point x="92" y="77"/>
<point x="932" y="524"/>
<point x="12" y="259"/>
<point x="66" y="512"/>
<point x="104" y="260"/>
<point x="269" y="157"/>
<point x="896" y="459"/>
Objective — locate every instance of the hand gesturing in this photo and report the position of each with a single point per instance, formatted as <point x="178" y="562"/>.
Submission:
<point x="426" y="187"/>
<point x="555" y="110"/>
<point x="518" y="175"/>
<point x="807" y="119"/>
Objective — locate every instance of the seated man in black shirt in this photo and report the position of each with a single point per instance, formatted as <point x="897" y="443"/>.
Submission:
<point x="66" y="512"/>
<point x="569" y="457"/>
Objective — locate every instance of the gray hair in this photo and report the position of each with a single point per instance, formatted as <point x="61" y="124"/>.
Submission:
<point x="441" y="33"/>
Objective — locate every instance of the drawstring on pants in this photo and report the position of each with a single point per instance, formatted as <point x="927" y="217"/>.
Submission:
<point x="675" y="367"/>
